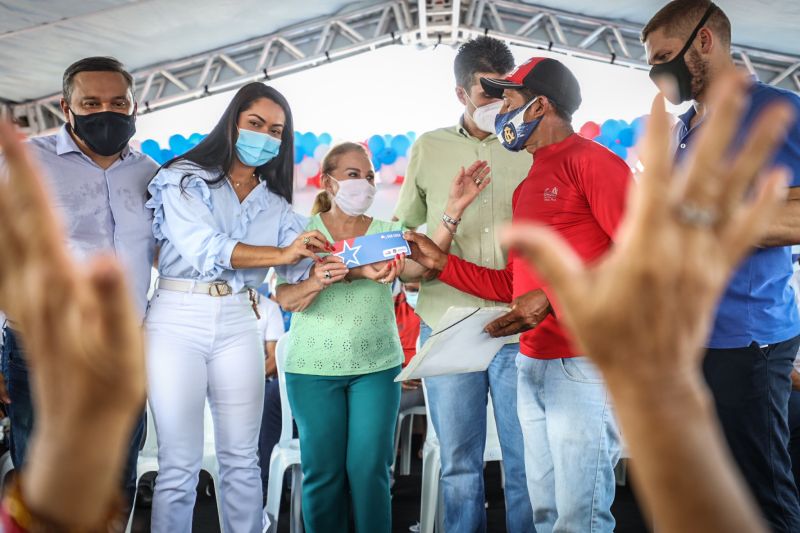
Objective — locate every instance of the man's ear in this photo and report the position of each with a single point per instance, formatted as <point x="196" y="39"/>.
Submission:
<point x="537" y="109"/>
<point x="461" y="94"/>
<point x="706" y="40"/>
<point x="65" y="109"/>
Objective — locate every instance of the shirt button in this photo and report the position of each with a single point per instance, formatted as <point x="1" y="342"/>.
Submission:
<point x="683" y="145"/>
<point x="485" y="201"/>
<point x="486" y="230"/>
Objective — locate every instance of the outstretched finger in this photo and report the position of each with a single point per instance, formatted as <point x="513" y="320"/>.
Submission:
<point x="484" y="183"/>
<point x="25" y="182"/>
<point x="119" y="323"/>
<point x="655" y="182"/>
<point x="748" y="223"/>
<point x="475" y="168"/>
<point x="704" y="171"/>
<point x="552" y="257"/>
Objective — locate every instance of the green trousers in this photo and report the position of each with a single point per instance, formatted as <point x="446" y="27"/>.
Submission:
<point x="346" y="427"/>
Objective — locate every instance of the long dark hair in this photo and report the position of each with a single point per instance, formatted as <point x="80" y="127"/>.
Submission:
<point x="218" y="149"/>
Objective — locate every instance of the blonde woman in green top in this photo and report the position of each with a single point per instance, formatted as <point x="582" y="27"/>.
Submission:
<point x="344" y="353"/>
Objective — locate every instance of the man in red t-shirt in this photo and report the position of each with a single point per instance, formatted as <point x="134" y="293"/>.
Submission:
<point x="578" y="188"/>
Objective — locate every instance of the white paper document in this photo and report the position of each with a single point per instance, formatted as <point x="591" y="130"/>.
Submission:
<point x="457" y="345"/>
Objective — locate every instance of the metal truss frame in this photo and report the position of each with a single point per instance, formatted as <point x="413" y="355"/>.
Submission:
<point x="418" y="22"/>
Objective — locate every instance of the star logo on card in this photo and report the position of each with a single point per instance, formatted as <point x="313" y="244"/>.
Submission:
<point x="348" y="254"/>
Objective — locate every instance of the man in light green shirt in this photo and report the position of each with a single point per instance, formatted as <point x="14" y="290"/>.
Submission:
<point x="458" y="403"/>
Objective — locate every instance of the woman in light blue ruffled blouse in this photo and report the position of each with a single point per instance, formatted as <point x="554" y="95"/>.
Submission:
<point x="222" y="217"/>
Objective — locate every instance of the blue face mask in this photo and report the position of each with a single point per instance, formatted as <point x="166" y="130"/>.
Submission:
<point x="411" y="298"/>
<point x="512" y="130"/>
<point x="255" y="149"/>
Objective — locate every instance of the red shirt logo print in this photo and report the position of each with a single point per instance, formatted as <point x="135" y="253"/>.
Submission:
<point x="551" y="195"/>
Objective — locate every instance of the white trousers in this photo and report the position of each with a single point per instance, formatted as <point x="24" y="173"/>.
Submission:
<point x="202" y="346"/>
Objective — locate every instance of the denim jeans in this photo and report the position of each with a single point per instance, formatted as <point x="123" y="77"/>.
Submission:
<point x="458" y="408"/>
<point x="751" y="388"/>
<point x="20" y="411"/>
<point x="572" y="444"/>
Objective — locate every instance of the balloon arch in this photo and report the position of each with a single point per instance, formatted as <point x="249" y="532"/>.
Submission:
<point x="390" y="152"/>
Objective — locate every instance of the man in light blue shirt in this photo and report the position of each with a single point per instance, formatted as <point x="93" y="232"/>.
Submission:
<point x="99" y="185"/>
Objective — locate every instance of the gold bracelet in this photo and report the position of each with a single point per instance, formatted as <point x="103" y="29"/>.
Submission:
<point x="17" y="509"/>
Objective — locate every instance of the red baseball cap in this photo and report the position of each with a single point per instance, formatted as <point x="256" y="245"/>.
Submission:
<point x="543" y="76"/>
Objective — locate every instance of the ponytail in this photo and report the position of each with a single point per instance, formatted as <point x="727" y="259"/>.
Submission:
<point x="322" y="203"/>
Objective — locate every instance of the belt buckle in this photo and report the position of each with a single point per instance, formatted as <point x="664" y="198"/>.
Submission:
<point x="220" y="288"/>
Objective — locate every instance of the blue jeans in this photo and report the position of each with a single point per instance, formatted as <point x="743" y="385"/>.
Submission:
<point x="751" y="388"/>
<point x="572" y="444"/>
<point x="20" y="411"/>
<point x="458" y="408"/>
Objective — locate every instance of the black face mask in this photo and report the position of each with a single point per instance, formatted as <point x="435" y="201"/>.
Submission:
<point x="107" y="132"/>
<point x="676" y="69"/>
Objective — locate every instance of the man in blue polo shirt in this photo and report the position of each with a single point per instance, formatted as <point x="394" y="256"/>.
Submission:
<point x="755" y="336"/>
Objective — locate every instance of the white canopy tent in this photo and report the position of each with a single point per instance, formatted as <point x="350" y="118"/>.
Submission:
<point x="180" y="51"/>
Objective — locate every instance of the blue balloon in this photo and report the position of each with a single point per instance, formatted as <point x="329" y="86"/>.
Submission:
<point x="620" y="150"/>
<point x="195" y="138"/>
<point x="606" y="140"/>
<point x="387" y="156"/>
<point x="299" y="154"/>
<point x="401" y="144"/>
<point x="165" y="156"/>
<point x="309" y="142"/>
<point x="626" y="137"/>
<point x="178" y="144"/>
<point x="638" y="126"/>
<point x="151" y="148"/>
<point x="376" y="162"/>
<point x="325" y="138"/>
<point x="411" y="136"/>
<point x="611" y="127"/>
<point x="376" y="144"/>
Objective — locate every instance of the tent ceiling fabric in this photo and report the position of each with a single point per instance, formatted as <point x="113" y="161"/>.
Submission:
<point x="767" y="24"/>
<point x="38" y="39"/>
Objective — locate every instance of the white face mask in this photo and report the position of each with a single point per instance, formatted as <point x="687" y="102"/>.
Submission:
<point x="484" y="116"/>
<point x="354" y="196"/>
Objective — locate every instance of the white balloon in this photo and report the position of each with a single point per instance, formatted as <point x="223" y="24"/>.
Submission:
<point x="308" y="167"/>
<point x="320" y="151"/>
<point x="400" y="165"/>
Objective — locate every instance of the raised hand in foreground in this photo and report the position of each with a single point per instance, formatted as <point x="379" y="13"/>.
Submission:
<point x="644" y="313"/>
<point x="85" y="349"/>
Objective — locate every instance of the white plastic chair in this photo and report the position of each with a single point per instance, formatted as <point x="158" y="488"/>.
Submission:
<point x="432" y="504"/>
<point x="285" y="454"/>
<point x="6" y="467"/>
<point x="402" y="439"/>
<point x="148" y="458"/>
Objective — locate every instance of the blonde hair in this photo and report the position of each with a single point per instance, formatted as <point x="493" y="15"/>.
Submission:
<point x="322" y="203"/>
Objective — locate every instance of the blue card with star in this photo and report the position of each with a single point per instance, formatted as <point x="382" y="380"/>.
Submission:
<point x="369" y="249"/>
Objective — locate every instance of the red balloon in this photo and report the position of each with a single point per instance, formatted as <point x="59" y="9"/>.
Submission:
<point x="590" y="130"/>
<point x="398" y="180"/>
<point x="314" y="181"/>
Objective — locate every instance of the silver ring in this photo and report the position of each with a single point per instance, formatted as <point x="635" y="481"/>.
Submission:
<point x="692" y="215"/>
<point x="384" y="281"/>
<point x="327" y="274"/>
<point x="306" y="240"/>
<point x="478" y="181"/>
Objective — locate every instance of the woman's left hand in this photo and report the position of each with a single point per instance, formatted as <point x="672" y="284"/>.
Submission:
<point x="466" y="186"/>
<point x="329" y="270"/>
<point x="384" y="272"/>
